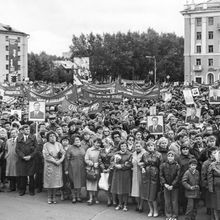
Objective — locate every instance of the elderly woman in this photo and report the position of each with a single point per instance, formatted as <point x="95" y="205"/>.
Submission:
<point x="121" y="180"/>
<point x="11" y="159"/>
<point x="150" y="177"/>
<point x="105" y="156"/>
<point x="136" y="175"/>
<point x="75" y="168"/>
<point x="92" y="164"/>
<point x="54" y="155"/>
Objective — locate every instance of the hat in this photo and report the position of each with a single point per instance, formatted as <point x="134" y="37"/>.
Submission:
<point x="193" y="161"/>
<point x="63" y="124"/>
<point x="185" y="146"/>
<point x="52" y="117"/>
<point x="64" y="137"/>
<point x="171" y="152"/>
<point x="143" y="121"/>
<point x="71" y="123"/>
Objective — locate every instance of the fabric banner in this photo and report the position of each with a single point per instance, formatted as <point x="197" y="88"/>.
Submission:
<point x="68" y="106"/>
<point x="127" y="81"/>
<point x="13" y="91"/>
<point x="70" y="94"/>
<point x="114" y="97"/>
<point x="93" y="108"/>
<point x="13" y="55"/>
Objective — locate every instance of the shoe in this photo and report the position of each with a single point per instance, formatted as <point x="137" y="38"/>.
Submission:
<point x="125" y="209"/>
<point x="11" y="190"/>
<point x="21" y="193"/>
<point x="39" y="190"/>
<point x="140" y="210"/>
<point x="155" y="214"/>
<point x="150" y="214"/>
<point x="109" y="204"/>
<point x="73" y="200"/>
<point x="49" y="201"/>
<point x="89" y="202"/>
<point x="79" y="200"/>
<point x="97" y="202"/>
<point x="118" y="207"/>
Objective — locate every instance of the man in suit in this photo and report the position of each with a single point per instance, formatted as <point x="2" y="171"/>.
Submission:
<point x="192" y="118"/>
<point x="36" y="114"/>
<point x="155" y="127"/>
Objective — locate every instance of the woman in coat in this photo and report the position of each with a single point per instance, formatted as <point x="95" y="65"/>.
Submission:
<point x="214" y="184"/>
<point x="150" y="177"/>
<point x="92" y="163"/>
<point x="105" y="156"/>
<point x="53" y="157"/>
<point x="75" y="168"/>
<point x="11" y="159"/>
<point x="136" y="175"/>
<point x="121" y="180"/>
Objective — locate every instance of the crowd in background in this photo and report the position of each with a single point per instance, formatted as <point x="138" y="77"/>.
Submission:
<point x="113" y="150"/>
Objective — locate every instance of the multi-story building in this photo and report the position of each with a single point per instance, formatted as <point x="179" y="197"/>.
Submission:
<point x="13" y="54"/>
<point x="202" y="42"/>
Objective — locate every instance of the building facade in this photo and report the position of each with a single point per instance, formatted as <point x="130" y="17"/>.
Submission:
<point x="13" y="55"/>
<point x="202" y="42"/>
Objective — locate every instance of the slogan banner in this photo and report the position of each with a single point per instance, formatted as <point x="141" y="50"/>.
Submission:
<point x="68" y="106"/>
<point x="93" y="108"/>
<point x="127" y="81"/>
<point x="114" y="97"/>
<point x="69" y="94"/>
<point x="13" y="91"/>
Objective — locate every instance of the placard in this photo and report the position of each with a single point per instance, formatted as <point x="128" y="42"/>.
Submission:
<point x="214" y="96"/>
<point x="193" y="115"/>
<point x="36" y="111"/>
<point x="155" y="124"/>
<point x="187" y="93"/>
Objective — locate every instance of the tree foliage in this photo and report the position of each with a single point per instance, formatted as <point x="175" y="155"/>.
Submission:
<point x="124" y="54"/>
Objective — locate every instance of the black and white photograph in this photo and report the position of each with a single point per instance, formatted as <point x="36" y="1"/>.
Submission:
<point x="109" y="109"/>
<point x="155" y="124"/>
<point x="36" y="111"/>
<point x="193" y="115"/>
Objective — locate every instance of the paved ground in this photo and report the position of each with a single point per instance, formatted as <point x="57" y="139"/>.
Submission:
<point x="14" y="207"/>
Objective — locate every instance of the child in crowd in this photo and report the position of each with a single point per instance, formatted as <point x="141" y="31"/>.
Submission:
<point x="190" y="182"/>
<point x="169" y="179"/>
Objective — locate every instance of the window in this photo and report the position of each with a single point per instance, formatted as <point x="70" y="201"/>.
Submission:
<point x="199" y="80"/>
<point x="19" y="67"/>
<point x="6" y="48"/>
<point x="198" y="62"/>
<point x="19" y="58"/>
<point x="19" y="39"/>
<point x="198" y="49"/>
<point x="198" y="21"/>
<point x="7" y="57"/>
<point x="6" y="38"/>
<point x="6" y="78"/>
<point x="210" y="48"/>
<point x="19" y="77"/>
<point x="210" y="62"/>
<point x="210" y="20"/>
<point x="7" y="66"/>
<point x="210" y="34"/>
<point x="19" y="49"/>
<point x="198" y="35"/>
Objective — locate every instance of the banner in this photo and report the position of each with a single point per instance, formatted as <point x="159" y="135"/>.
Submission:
<point x="70" y="94"/>
<point x="114" y="97"/>
<point x="13" y="91"/>
<point x="127" y="81"/>
<point x="13" y="55"/>
<point x="188" y="96"/>
<point x="68" y="106"/>
<point x="93" y="108"/>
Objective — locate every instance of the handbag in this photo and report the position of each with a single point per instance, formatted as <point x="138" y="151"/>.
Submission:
<point x="103" y="182"/>
<point x="91" y="175"/>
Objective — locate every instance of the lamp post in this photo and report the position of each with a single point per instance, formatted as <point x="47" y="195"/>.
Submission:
<point x="155" y="67"/>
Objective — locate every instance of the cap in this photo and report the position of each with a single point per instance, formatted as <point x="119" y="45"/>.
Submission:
<point x="52" y="117"/>
<point x="171" y="152"/>
<point x="193" y="161"/>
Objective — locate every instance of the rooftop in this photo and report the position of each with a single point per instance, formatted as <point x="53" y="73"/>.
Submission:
<point x="7" y="28"/>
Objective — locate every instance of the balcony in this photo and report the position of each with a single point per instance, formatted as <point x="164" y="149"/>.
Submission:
<point x="197" y="68"/>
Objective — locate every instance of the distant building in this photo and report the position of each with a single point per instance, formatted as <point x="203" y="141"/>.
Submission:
<point x="13" y="55"/>
<point x="202" y="42"/>
<point x="67" y="55"/>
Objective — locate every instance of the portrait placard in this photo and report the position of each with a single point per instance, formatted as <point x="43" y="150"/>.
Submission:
<point x="36" y="111"/>
<point x="195" y="92"/>
<point x="187" y="93"/>
<point x="214" y="96"/>
<point x="155" y="124"/>
<point x="193" y="115"/>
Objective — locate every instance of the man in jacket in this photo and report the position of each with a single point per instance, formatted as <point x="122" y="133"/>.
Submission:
<point x="26" y="149"/>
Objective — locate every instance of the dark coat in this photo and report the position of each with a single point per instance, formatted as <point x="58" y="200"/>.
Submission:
<point x="26" y="148"/>
<point x="38" y="115"/>
<point x="189" y="179"/>
<point x="169" y="174"/>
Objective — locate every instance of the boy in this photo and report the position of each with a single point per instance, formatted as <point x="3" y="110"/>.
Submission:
<point x="169" y="179"/>
<point x="190" y="182"/>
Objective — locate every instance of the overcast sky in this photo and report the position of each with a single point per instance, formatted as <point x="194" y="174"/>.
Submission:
<point x="51" y="23"/>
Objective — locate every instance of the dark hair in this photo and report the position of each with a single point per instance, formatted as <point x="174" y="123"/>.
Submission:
<point x="73" y="138"/>
<point x="130" y="135"/>
<point x="114" y="133"/>
<point x="99" y="140"/>
<point x="49" y="133"/>
<point x="122" y="142"/>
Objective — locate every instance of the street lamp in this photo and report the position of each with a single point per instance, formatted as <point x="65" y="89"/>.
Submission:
<point x="155" y="67"/>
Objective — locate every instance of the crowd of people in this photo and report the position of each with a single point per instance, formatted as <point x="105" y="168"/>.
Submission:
<point x="113" y="150"/>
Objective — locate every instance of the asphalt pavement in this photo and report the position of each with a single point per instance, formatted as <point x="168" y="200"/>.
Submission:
<point x="15" y="207"/>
